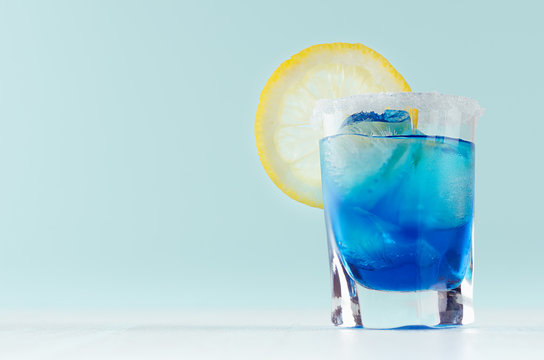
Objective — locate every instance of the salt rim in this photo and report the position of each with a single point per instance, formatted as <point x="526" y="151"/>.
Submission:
<point x="326" y="109"/>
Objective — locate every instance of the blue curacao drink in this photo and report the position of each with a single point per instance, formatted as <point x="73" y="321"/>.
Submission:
<point x="399" y="202"/>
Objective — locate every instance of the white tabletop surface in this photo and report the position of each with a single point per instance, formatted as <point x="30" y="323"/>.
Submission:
<point x="258" y="334"/>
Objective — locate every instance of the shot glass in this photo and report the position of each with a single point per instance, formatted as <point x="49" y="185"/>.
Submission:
<point x="397" y="175"/>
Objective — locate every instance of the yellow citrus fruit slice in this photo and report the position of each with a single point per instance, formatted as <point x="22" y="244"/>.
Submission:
<point x="286" y="142"/>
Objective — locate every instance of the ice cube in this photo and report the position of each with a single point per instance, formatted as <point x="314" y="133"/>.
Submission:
<point x="390" y="116"/>
<point x="374" y="243"/>
<point x="361" y="169"/>
<point x="389" y="123"/>
<point x="440" y="189"/>
<point x="366" y="240"/>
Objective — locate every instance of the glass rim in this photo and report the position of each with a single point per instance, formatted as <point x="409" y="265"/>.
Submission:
<point x="426" y="101"/>
<point x="328" y="114"/>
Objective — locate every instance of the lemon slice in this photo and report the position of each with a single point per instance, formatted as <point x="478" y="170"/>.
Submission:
<point x="286" y="142"/>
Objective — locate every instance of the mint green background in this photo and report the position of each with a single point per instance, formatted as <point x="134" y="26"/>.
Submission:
<point x="129" y="173"/>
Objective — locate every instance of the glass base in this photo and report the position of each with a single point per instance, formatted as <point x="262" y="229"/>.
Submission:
<point x="389" y="309"/>
<point x="376" y="309"/>
<point x="356" y="306"/>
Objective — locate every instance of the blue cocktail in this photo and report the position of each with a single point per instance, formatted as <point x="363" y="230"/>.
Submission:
<point x="398" y="203"/>
<point x="400" y="208"/>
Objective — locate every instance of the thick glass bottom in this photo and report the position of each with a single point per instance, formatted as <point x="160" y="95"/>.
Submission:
<point x="388" y="310"/>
